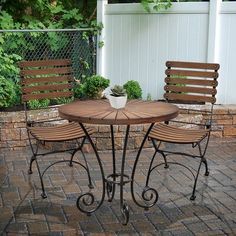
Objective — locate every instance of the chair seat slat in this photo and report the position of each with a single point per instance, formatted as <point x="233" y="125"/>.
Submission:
<point x="68" y="131"/>
<point x="176" y="135"/>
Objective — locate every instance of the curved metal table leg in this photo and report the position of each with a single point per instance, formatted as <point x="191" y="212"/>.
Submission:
<point x="124" y="208"/>
<point x="149" y="195"/>
<point x="87" y="200"/>
<point x="111" y="187"/>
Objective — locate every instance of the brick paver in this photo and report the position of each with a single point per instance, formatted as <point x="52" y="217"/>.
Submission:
<point x="24" y="212"/>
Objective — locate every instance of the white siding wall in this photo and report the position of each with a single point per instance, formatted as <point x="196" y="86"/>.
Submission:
<point x="138" y="44"/>
<point x="227" y="54"/>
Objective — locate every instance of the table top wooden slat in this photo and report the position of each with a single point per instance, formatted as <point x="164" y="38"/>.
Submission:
<point x="135" y="112"/>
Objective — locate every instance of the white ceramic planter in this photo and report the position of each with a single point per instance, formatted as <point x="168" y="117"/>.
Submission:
<point x="117" y="102"/>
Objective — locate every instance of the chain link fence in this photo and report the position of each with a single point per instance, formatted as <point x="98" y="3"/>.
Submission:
<point x="78" y="45"/>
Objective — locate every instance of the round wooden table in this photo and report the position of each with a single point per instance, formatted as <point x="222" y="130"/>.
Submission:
<point x="100" y="112"/>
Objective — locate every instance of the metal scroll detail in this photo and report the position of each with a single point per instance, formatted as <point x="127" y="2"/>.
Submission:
<point x="86" y="202"/>
<point x="149" y="195"/>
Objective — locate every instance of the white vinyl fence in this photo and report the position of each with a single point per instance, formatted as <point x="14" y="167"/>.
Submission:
<point x="137" y="44"/>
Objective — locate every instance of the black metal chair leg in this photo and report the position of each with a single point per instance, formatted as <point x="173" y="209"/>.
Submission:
<point x="77" y="149"/>
<point x="43" y="194"/>
<point x="165" y="160"/>
<point x="206" y="166"/>
<point x="162" y="153"/>
<point x="90" y="185"/>
<point x="33" y="158"/>
<point x="30" y="165"/>
<point x="193" y="196"/>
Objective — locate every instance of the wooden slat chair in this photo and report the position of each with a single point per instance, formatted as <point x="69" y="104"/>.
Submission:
<point x="49" y="79"/>
<point x="186" y="83"/>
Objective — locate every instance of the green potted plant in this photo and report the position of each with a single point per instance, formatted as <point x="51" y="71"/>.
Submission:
<point x="94" y="86"/>
<point x="118" y="97"/>
<point x="133" y="89"/>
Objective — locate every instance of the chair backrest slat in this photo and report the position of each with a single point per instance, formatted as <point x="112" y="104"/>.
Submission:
<point x="42" y="80"/>
<point x="46" y="71"/>
<point x="57" y="62"/>
<point x="48" y="87"/>
<point x="189" y="98"/>
<point x="194" y="65"/>
<point x="184" y="89"/>
<point x="200" y="74"/>
<point x="170" y="80"/>
<point x="46" y="79"/>
<point x="191" y="82"/>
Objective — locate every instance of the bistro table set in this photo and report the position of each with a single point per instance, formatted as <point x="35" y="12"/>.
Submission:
<point x="100" y="112"/>
<point x="185" y="82"/>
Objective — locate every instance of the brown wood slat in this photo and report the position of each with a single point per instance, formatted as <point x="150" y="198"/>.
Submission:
<point x="50" y="95"/>
<point x="101" y="114"/>
<point x="120" y="115"/>
<point x="175" y="134"/>
<point x="204" y="74"/>
<point x="110" y="116"/>
<point x="157" y="111"/>
<point x="204" y="82"/>
<point x="50" y="87"/>
<point x="60" y="127"/>
<point x="188" y="89"/>
<point x="59" y="133"/>
<point x="194" y="65"/>
<point x="46" y="71"/>
<point x="50" y="79"/>
<point x="177" y="129"/>
<point x="59" y="137"/>
<point x="141" y="114"/>
<point x="186" y="97"/>
<point x="59" y="62"/>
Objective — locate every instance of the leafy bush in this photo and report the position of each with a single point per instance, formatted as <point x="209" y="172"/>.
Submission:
<point x="133" y="89"/>
<point x="79" y="90"/>
<point x="36" y="104"/>
<point x="62" y="100"/>
<point x="94" y="85"/>
<point x="7" y="92"/>
<point x="10" y="72"/>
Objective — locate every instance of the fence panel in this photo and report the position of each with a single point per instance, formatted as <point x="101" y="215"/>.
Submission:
<point x="77" y="45"/>
<point x="137" y="43"/>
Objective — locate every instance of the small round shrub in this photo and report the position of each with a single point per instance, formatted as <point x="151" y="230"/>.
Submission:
<point x="133" y="89"/>
<point x="7" y="92"/>
<point x="94" y="85"/>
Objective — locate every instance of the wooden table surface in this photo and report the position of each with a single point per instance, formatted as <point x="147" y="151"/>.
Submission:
<point x="135" y="112"/>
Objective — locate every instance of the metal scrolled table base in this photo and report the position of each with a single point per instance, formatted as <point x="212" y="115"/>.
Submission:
<point x="149" y="195"/>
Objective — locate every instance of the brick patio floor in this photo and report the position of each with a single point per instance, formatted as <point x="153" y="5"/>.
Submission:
<point x="24" y="212"/>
